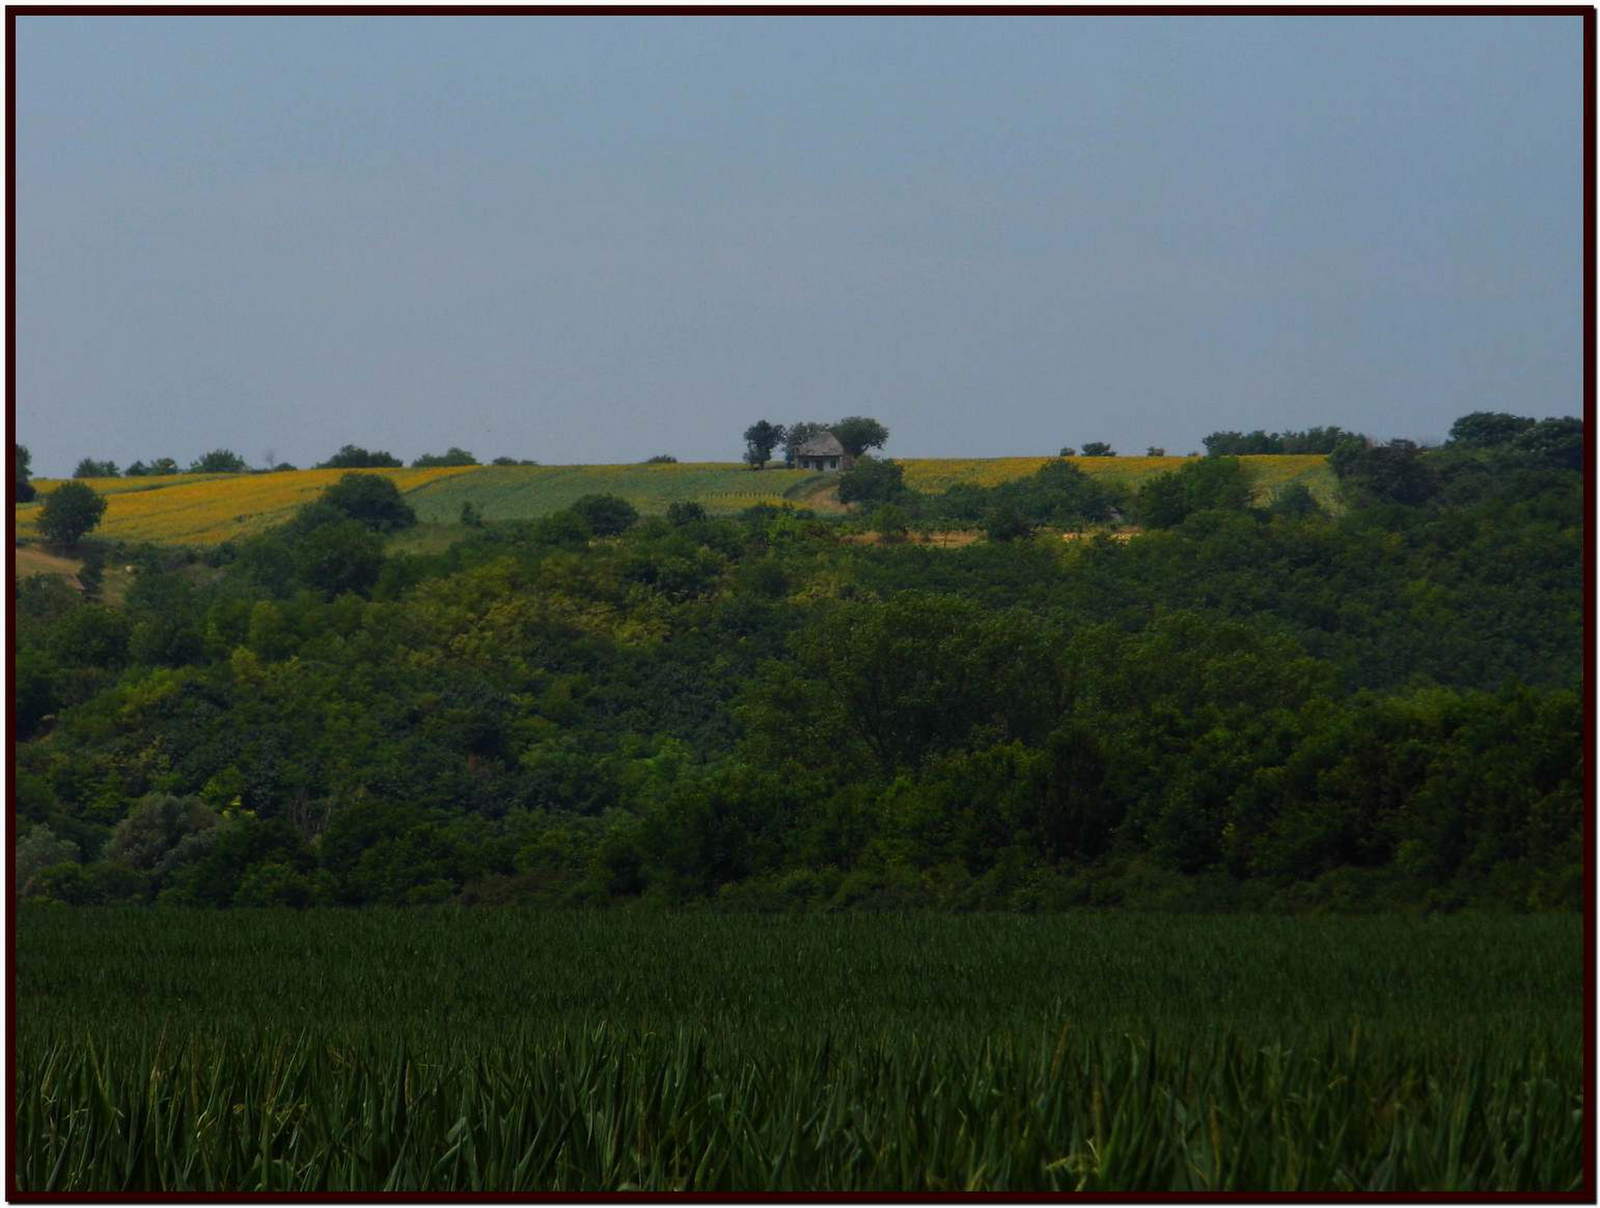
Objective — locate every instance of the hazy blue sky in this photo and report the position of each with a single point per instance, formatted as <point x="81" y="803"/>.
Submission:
<point x="598" y="239"/>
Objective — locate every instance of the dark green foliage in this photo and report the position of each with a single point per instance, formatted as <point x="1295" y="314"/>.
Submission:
<point x="90" y="468"/>
<point x="34" y="694"/>
<point x="219" y="461"/>
<point x="1283" y="708"/>
<point x="1483" y="429"/>
<point x="872" y="480"/>
<point x="858" y="433"/>
<point x="70" y="512"/>
<point x="1005" y="522"/>
<point x="371" y="499"/>
<point x="91" y="636"/>
<point x="1397" y="472"/>
<point x="24" y="491"/>
<point x="1196" y="486"/>
<point x="681" y="512"/>
<point x="1098" y="448"/>
<point x="661" y="459"/>
<point x="606" y="515"/>
<point x="471" y="516"/>
<point x="891" y="523"/>
<point x="513" y="461"/>
<point x="450" y="457"/>
<point x="353" y="457"/>
<point x="1312" y="440"/>
<point x="760" y="438"/>
<point x="343" y="556"/>
<point x="1059" y="495"/>
<point x="1556" y="443"/>
<point x="1294" y="502"/>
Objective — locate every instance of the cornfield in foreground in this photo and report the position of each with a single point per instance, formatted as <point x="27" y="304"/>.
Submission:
<point x="508" y="1051"/>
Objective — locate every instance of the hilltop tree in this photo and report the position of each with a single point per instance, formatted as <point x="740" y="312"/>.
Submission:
<point x="1484" y="429"/>
<point x="22" y="459"/>
<point x="69" y="512"/>
<point x="1098" y="448"/>
<point x="858" y="433"/>
<point x="90" y="468"/>
<point x="354" y="457"/>
<point x="452" y="456"/>
<point x="219" y="461"/>
<point x="1555" y="442"/>
<point x="760" y="438"/>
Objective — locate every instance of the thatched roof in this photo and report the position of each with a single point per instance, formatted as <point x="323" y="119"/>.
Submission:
<point x="825" y="444"/>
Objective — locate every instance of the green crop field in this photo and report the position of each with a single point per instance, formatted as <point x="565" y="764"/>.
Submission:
<point x="506" y="1051"/>
<point x="525" y="492"/>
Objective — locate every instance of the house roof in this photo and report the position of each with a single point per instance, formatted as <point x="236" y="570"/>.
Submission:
<point x="825" y="444"/>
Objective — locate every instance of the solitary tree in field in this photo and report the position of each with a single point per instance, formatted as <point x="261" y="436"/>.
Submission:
<point x="70" y="511"/>
<point x="1098" y="448"/>
<point x="760" y="438"/>
<point x="90" y="468"/>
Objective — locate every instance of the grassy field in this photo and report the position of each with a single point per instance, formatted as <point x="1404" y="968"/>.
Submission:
<point x="523" y="492"/>
<point x="202" y="509"/>
<point x="507" y="1051"/>
<point x="1272" y="473"/>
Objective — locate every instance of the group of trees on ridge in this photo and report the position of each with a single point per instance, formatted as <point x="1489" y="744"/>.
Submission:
<point x="1250" y="707"/>
<point x="856" y="433"/>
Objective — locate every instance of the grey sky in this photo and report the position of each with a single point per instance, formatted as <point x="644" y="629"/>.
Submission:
<point x="598" y="239"/>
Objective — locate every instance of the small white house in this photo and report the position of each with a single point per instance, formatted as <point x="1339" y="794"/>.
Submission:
<point x="823" y="452"/>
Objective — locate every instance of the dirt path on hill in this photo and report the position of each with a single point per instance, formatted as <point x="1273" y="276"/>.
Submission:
<point x="31" y="560"/>
<point x="820" y="494"/>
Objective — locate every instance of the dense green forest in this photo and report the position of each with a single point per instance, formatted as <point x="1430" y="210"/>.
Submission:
<point x="1243" y="707"/>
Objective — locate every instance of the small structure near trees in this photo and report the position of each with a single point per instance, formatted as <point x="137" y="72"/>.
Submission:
<point x="823" y="452"/>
